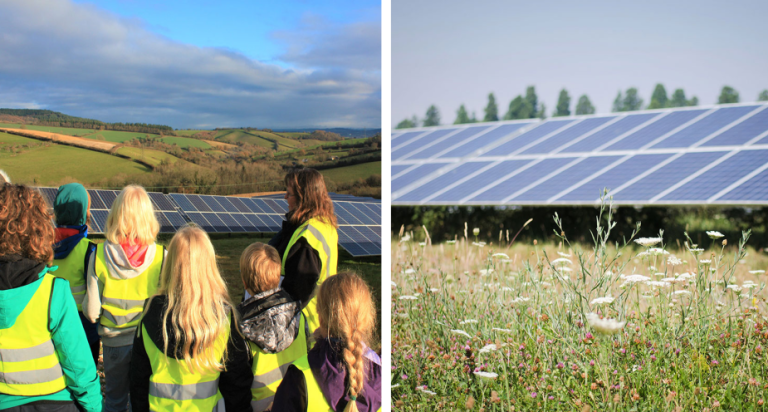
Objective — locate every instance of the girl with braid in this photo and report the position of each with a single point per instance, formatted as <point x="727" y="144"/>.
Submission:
<point x="340" y="373"/>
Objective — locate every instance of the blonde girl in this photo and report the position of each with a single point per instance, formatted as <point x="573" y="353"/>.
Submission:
<point x="122" y="274"/>
<point x="340" y="372"/>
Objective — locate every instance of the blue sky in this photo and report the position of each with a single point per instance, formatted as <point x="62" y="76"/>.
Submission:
<point x="201" y="64"/>
<point x="448" y="52"/>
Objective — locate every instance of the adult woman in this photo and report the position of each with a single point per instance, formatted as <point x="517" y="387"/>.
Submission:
<point x="188" y="354"/>
<point x="45" y="363"/>
<point x="308" y="241"/>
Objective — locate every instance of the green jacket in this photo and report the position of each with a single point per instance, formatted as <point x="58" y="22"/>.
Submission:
<point x="68" y="337"/>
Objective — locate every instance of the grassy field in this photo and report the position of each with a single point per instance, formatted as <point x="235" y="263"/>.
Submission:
<point x="61" y="130"/>
<point x="151" y="156"/>
<point x="116" y="136"/>
<point x="50" y="164"/>
<point x="579" y="327"/>
<point x="184" y="142"/>
<point x="352" y="173"/>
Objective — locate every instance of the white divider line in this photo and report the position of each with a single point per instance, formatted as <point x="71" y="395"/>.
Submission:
<point x="543" y="179"/>
<point x="633" y="130"/>
<point x="728" y="126"/>
<point x="756" y="139"/>
<point x="494" y="183"/>
<point x="738" y="183"/>
<point x="433" y="142"/>
<point x="679" y="128"/>
<point x="693" y="176"/>
<point x="592" y="176"/>
<point x="419" y="136"/>
<point x="589" y="133"/>
<point x="646" y="173"/>
<point x="459" y="182"/>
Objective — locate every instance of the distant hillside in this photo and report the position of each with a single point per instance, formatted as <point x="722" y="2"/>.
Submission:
<point x="348" y="133"/>
<point x="51" y="118"/>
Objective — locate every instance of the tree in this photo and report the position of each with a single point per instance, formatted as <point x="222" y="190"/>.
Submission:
<point x="677" y="100"/>
<point x="533" y="102"/>
<point x="543" y="112"/>
<point x="563" y="104"/>
<point x="763" y="96"/>
<point x="462" y="116"/>
<point x="659" y="98"/>
<point x="517" y="109"/>
<point x="728" y="95"/>
<point x="584" y="106"/>
<point x="407" y="123"/>
<point x="432" y="117"/>
<point x="693" y="102"/>
<point x="632" y="101"/>
<point x="618" y="103"/>
<point x="491" y="111"/>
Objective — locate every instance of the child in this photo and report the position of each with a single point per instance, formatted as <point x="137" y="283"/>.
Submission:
<point x="271" y="321"/>
<point x="340" y="373"/>
<point x="44" y="360"/>
<point x="188" y="354"/>
<point x="73" y="249"/>
<point x="122" y="274"/>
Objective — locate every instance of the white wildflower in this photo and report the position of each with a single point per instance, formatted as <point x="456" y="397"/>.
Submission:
<point x="563" y="269"/>
<point x="561" y="261"/>
<point x="647" y="241"/>
<point x="520" y="299"/>
<point x="394" y="386"/>
<point x="748" y="284"/>
<point x="672" y="260"/>
<point x="408" y="297"/>
<point x="756" y="272"/>
<point x="476" y="231"/>
<point x="636" y="278"/>
<point x="656" y="251"/>
<point x="488" y="348"/>
<point x="696" y="251"/>
<point x="487" y="375"/>
<point x="409" y="271"/>
<point x="405" y="238"/>
<point x="450" y="242"/>
<point x="604" y="326"/>
<point x="485" y="272"/>
<point x="502" y="330"/>
<point x="658" y="284"/>
<point x="564" y="255"/>
<point x="461" y="332"/>
<point x="714" y="235"/>
<point x="681" y="292"/>
<point x="402" y="315"/>
<point x="425" y="390"/>
<point x="502" y="255"/>
<point x="659" y="274"/>
<point x="422" y="244"/>
<point x="735" y="288"/>
<point x="506" y="289"/>
<point x="705" y="261"/>
<point x="464" y="322"/>
<point x="479" y="244"/>
<point x="600" y="301"/>
<point x="394" y="285"/>
<point x="686" y="276"/>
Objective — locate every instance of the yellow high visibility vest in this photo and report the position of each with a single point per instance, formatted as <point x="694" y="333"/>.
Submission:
<point x="325" y="240"/>
<point x="29" y="365"/>
<point x="315" y="399"/>
<point x="269" y="368"/>
<point x="72" y="268"/>
<point x="122" y="300"/>
<point x="173" y="386"/>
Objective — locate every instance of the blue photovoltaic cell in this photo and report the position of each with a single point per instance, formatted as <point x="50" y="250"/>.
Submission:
<point x="213" y="203"/>
<point x="244" y="222"/>
<point x="415" y="175"/>
<point x="395" y="135"/>
<point x="669" y="174"/>
<point x="655" y="130"/>
<point x="719" y="177"/>
<point x="198" y="203"/>
<point x="96" y="202"/>
<point x="742" y="132"/>
<point x="273" y="221"/>
<point x="108" y="197"/>
<point x="348" y="244"/>
<point x="507" y="187"/>
<point x="362" y="217"/>
<point x="230" y="222"/>
<point x="200" y="220"/>
<point x="183" y="202"/>
<point x="611" y="132"/>
<point x="442" y="181"/>
<point x="216" y="222"/>
<point x="49" y="194"/>
<point x="376" y="208"/>
<point x="364" y="209"/>
<point x="226" y="203"/>
<point x="566" y="178"/>
<point x="258" y="222"/>
<point x="273" y="205"/>
<point x="485" y="139"/>
<point x="399" y="168"/>
<point x="526" y="138"/>
<point x="161" y="201"/>
<point x="240" y="205"/>
<point x="99" y="217"/>
<point x="282" y="205"/>
<point x="165" y="224"/>
<point x="175" y="218"/>
<point x="419" y="143"/>
<point x="704" y="127"/>
<point x="568" y="135"/>
<point x="483" y="179"/>
<point x="753" y="189"/>
<point x="257" y="205"/>
<point x="346" y="215"/>
<point x="405" y="138"/>
<point x="372" y="233"/>
<point x="457" y="138"/>
<point x="613" y="178"/>
<point x="370" y="247"/>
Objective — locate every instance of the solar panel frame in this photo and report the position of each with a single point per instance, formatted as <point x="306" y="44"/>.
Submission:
<point x="227" y="204"/>
<point x="183" y="202"/>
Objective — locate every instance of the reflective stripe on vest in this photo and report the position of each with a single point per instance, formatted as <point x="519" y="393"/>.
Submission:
<point x="122" y="300"/>
<point x="315" y="399"/>
<point x="269" y="368"/>
<point x="72" y="268"/>
<point x="174" y="386"/>
<point x="29" y="365"/>
<point x="325" y="240"/>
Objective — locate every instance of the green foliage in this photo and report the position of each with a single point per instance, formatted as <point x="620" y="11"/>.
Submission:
<point x="491" y="111"/>
<point x="407" y="123"/>
<point x="543" y="112"/>
<point x="432" y="117"/>
<point x="563" y="104"/>
<point x="728" y="95"/>
<point x="629" y="102"/>
<point x="584" y="106"/>
<point x="678" y="99"/>
<point x="659" y="98"/>
<point x="462" y="116"/>
<point x="532" y="100"/>
<point x="56" y="119"/>
<point x="763" y="96"/>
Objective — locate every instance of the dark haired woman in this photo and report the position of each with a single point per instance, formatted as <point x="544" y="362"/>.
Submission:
<point x="308" y="241"/>
<point x="45" y="363"/>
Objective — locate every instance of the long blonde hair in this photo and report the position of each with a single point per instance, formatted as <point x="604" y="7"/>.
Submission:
<point x="346" y="312"/>
<point x="198" y="301"/>
<point x="312" y="198"/>
<point x="132" y="218"/>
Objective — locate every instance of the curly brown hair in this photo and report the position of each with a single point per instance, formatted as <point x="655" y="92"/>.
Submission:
<point x="312" y="197"/>
<point x="26" y="223"/>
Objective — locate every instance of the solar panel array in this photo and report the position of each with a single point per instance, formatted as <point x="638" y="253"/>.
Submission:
<point x="359" y="218"/>
<point x="683" y="156"/>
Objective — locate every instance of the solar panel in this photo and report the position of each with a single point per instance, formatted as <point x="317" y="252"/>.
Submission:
<point x="184" y="203"/>
<point x="420" y="141"/>
<point x="240" y="205"/>
<point x="244" y="222"/>
<point x="49" y="194"/>
<point x="227" y="204"/>
<point x="108" y="197"/>
<point x="198" y="203"/>
<point x="175" y="218"/>
<point x="99" y="219"/>
<point x="258" y="222"/>
<point x="230" y="222"/>
<point x="213" y="204"/>
<point x="96" y="202"/>
<point x="259" y="206"/>
<point x="200" y="220"/>
<point x="165" y="224"/>
<point x="437" y="146"/>
<point x="161" y="201"/>
<point x="483" y="140"/>
<point x="668" y="156"/>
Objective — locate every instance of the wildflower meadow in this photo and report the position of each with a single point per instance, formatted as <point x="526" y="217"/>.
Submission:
<point x="634" y="325"/>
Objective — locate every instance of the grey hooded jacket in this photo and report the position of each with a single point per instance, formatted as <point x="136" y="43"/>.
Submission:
<point x="270" y="320"/>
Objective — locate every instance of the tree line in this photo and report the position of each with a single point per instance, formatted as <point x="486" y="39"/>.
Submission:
<point x="527" y="106"/>
<point x="56" y="119"/>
